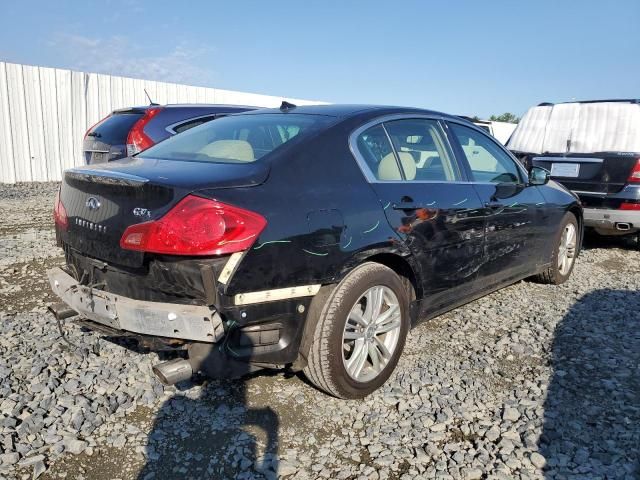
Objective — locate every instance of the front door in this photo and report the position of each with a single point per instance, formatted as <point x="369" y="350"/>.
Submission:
<point x="514" y="211"/>
<point x="429" y="204"/>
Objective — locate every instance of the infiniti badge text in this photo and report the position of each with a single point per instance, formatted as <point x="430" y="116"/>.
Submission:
<point x="96" y="227"/>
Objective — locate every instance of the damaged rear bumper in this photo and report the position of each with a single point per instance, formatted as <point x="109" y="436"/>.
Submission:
<point x="186" y="322"/>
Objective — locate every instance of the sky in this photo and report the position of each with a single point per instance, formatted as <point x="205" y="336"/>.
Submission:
<point x="465" y="57"/>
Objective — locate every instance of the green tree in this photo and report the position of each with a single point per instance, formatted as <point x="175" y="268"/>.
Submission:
<point x="505" y="117"/>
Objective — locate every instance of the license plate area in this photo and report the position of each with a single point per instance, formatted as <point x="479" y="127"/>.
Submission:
<point x="98" y="306"/>
<point x="98" y="157"/>
<point x="94" y="304"/>
<point x="189" y="322"/>
<point x="566" y="170"/>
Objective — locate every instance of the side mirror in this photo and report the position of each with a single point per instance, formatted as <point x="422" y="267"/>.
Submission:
<point x="538" y="176"/>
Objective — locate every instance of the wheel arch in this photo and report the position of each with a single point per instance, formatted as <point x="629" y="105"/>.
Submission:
<point x="402" y="265"/>
<point x="576" y="209"/>
<point x="403" y="268"/>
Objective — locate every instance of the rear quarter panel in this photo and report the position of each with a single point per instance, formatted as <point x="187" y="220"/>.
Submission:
<point x="323" y="217"/>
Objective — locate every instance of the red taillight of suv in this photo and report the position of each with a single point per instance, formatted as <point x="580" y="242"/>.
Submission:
<point x="137" y="140"/>
<point x="629" y="206"/>
<point x="60" y="213"/>
<point x="196" y="226"/>
<point x="634" y="177"/>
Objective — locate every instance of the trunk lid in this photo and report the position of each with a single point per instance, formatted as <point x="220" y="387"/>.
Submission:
<point x="604" y="172"/>
<point x="101" y="201"/>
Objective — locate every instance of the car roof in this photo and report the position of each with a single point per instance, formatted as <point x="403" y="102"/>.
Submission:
<point x="194" y="106"/>
<point x="208" y="105"/>
<point x="347" y="110"/>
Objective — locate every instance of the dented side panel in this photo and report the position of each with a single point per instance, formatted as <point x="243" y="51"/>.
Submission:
<point x="516" y="232"/>
<point x="445" y="233"/>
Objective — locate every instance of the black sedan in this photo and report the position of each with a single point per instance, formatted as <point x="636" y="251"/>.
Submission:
<point x="306" y="238"/>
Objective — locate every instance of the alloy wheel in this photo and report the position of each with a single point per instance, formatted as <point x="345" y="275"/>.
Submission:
<point x="567" y="249"/>
<point x="371" y="333"/>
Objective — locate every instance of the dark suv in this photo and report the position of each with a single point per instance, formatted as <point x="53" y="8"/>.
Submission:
<point x="592" y="148"/>
<point x="310" y="238"/>
<point x="128" y="131"/>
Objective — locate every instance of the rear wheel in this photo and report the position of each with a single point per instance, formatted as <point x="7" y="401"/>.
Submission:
<point x="360" y="334"/>
<point x="564" y="254"/>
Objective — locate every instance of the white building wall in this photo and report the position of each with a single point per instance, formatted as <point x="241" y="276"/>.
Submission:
<point x="45" y="112"/>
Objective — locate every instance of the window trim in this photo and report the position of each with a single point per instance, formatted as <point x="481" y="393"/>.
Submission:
<point x="370" y="176"/>
<point x="463" y="158"/>
<point x="171" y="128"/>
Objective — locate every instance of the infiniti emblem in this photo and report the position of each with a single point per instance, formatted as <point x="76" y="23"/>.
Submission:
<point x="92" y="203"/>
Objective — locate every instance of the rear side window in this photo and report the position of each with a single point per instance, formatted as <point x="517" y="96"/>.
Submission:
<point x="115" y="128"/>
<point x="374" y="146"/>
<point x="422" y="151"/>
<point x="192" y="123"/>
<point x="237" y="138"/>
<point x="418" y="152"/>
<point x="488" y="162"/>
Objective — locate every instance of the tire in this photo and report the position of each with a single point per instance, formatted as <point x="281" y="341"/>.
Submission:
<point x="555" y="275"/>
<point x="327" y="362"/>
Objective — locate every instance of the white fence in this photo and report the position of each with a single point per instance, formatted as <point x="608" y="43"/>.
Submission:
<point x="45" y="112"/>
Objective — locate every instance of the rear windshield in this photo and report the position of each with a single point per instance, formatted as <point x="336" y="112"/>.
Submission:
<point x="114" y="129"/>
<point x="237" y="138"/>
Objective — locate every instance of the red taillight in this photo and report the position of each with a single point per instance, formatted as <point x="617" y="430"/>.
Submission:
<point x="60" y="213"/>
<point x="634" y="177"/>
<point x="629" y="206"/>
<point x="137" y="140"/>
<point x="196" y="226"/>
<point x="95" y="125"/>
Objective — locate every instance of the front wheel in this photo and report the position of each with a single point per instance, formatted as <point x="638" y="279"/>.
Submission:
<point x="360" y="333"/>
<point x="565" y="252"/>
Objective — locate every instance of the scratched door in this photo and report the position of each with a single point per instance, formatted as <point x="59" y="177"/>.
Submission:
<point x="430" y="205"/>
<point x="514" y="211"/>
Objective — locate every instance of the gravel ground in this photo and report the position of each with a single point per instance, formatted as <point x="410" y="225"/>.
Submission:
<point x="533" y="381"/>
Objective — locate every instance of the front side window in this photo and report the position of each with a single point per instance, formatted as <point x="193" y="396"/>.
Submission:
<point x="237" y="138"/>
<point x="418" y="152"/>
<point x="421" y="148"/>
<point x="488" y="162"/>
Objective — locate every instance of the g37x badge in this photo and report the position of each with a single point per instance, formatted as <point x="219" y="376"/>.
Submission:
<point x="142" y="212"/>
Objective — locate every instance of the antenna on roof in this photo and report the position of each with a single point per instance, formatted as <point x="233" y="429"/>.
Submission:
<point x="286" y="106"/>
<point x="151" y="102"/>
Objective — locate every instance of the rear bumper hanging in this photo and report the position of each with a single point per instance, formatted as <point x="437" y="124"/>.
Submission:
<point x="187" y="322"/>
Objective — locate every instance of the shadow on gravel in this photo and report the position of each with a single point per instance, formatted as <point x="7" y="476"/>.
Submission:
<point x="212" y="433"/>
<point x="592" y="412"/>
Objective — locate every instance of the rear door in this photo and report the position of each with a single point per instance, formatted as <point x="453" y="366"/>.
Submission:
<point x="515" y="213"/>
<point x="428" y="202"/>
